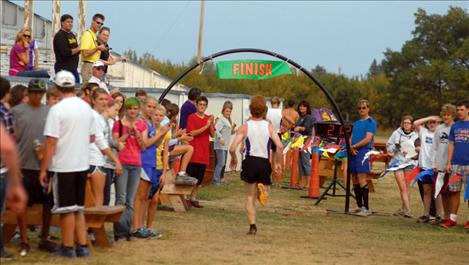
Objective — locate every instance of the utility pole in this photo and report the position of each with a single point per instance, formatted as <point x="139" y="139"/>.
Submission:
<point x="28" y="14"/>
<point x="201" y="29"/>
<point x="81" y="18"/>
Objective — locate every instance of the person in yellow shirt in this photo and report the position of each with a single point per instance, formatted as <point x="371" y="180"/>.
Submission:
<point x="90" y="48"/>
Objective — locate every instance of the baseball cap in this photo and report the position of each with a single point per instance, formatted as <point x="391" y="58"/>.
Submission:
<point x="37" y="85"/>
<point x="98" y="64"/>
<point x="64" y="79"/>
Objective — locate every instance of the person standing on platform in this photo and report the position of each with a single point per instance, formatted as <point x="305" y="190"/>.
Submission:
<point x="90" y="48"/>
<point x="189" y="106"/>
<point x="363" y="133"/>
<point x="66" y="48"/>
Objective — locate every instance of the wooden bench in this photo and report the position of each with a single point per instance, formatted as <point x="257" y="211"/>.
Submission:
<point x="95" y="218"/>
<point x="173" y="195"/>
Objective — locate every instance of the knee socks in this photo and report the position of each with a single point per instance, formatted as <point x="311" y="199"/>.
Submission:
<point x="365" y="193"/>
<point x="358" y="195"/>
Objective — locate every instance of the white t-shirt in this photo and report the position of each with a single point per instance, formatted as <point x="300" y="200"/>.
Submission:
<point x="275" y="116"/>
<point x="101" y="84"/>
<point x="96" y="157"/>
<point x="71" y="122"/>
<point x="426" y="148"/>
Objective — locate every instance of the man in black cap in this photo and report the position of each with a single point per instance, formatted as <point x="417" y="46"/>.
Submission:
<point x="29" y="119"/>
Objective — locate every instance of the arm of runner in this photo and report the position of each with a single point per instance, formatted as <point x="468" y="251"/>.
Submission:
<point x="279" y="145"/>
<point x="240" y="135"/>
<point x="108" y="152"/>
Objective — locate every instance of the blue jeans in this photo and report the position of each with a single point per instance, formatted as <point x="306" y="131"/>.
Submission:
<point x="34" y="73"/>
<point x="3" y="193"/>
<point x="126" y="187"/>
<point x="107" y="185"/>
<point x="221" y="156"/>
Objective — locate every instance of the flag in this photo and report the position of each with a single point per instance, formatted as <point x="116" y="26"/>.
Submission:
<point x="439" y="183"/>
<point x="368" y="154"/>
<point x="412" y="174"/>
<point x="422" y="174"/>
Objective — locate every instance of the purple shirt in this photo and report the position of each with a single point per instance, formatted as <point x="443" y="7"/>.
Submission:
<point x="15" y="66"/>
<point x="186" y="109"/>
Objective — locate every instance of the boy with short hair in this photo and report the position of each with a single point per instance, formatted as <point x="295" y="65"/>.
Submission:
<point x="52" y="96"/>
<point x="69" y="130"/>
<point x="200" y="126"/>
<point x="458" y="160"/>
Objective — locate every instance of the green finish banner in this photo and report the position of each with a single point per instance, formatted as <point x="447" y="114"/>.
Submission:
<point x="252" y="69"/>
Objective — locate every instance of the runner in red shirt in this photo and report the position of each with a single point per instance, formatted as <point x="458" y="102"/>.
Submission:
<point x="200" y="126"/>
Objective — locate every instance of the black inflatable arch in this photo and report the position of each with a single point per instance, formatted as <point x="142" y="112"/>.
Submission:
<point x="287" y="60"/>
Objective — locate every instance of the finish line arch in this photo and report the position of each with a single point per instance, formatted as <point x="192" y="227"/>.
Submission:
<point x="294" y="64"/>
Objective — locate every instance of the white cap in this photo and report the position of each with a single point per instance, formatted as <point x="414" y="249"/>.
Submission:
<point x="64" y="79"/>
<point x="98" y="64"/>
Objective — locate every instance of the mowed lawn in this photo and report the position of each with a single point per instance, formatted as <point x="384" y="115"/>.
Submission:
<point x="291" y="230"/>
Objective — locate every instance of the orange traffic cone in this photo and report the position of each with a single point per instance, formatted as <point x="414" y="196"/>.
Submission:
<point x="313" y="190"/>
<point x="294" y="168"/>
<point x="288" y="160"/>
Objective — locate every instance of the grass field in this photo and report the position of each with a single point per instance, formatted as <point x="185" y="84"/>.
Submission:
<point x="291" y="230"/>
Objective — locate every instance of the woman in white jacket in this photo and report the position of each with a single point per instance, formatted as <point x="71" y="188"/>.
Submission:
<point x="100" y="147"/>
<point x="399" y="136"/>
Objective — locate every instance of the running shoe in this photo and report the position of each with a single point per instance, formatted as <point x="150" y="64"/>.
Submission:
<point x="364" y="212"/>
<point x="185" y="179"/>
<point x="141" y="233"/>
<point x="262" y="195"/>
<point x="82" y="252"/>
<point x="196" y="204"/>
<point x="252" y="230"/>
<point x="153" y="233"/>
<point x="423" y="219"/>
<point x="437" y="221"/>
<point x="356" y="210"/>
<point x="448" y="223"/>
<point x="65" y="252"/>
<point x="48" y="246"/>
<point x="24" y="249"/>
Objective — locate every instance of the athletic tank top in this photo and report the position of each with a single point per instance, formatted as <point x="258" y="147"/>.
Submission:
<point x="258" y="141"/>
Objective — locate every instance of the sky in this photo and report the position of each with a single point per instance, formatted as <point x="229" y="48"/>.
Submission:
<point x="342" y="36"/>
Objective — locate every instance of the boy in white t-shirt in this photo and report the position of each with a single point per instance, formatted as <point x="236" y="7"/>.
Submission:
<point x="426" y="127"/>
<point x="69" y="130"/>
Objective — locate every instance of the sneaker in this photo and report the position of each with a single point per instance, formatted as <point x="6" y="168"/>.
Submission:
<point x="24" y="249"/>
<point x="408" y="214"/>
<point x="82" y="252"/>
<point x="47" y="246"/>
<point x="141" y="233"/>
<point x="356" y="210"/>
<point x="263" y="195"/>
<point x="153" y="233"/>
<point x="448" y="223"/>
<point x="437" y="221"/>
<point x="423" y="219"/>
<point x="65" y="252"/>
<point x="466" y="226"/>
<point x="196" y="204"/>
<point x="399" y="212"/>
<point x="364" y="212"/>
<point x="252" y="230"/>
<point x="185" y="179"/>
<point x="6" y="255"/>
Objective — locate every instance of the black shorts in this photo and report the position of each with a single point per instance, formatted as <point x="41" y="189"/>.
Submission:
<point x="69" y="191"/>
<point x="256" y="170"/>
<point x="36" y="193"/>
<point x="197" y="171"/>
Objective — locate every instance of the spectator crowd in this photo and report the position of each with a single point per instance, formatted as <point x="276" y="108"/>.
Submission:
<point x="97" y="135"/>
